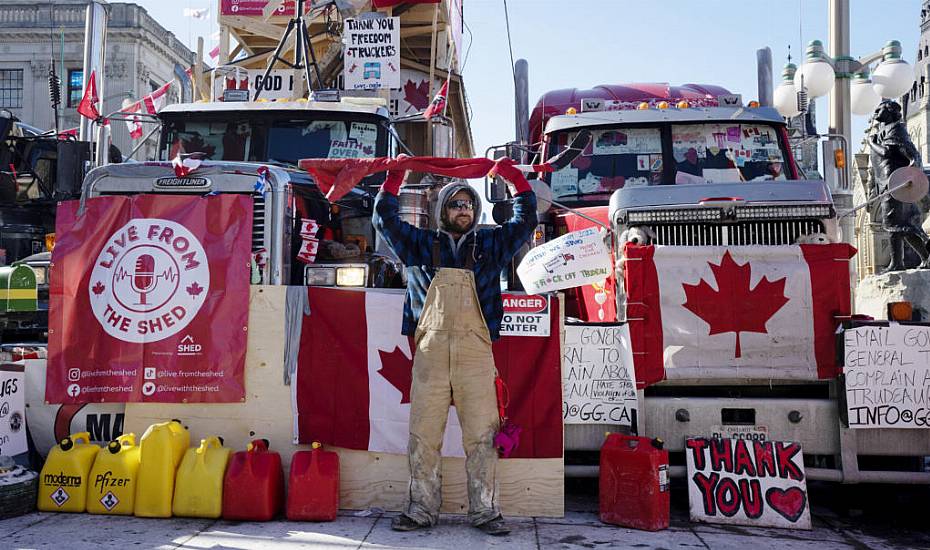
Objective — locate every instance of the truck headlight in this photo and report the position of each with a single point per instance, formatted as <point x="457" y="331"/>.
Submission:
<point x="320" y="276"/>
<point x="351" y="276"/>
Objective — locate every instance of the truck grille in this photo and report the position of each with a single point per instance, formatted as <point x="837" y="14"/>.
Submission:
<point x="769" y="233"/>
<point x="258" y="222"/>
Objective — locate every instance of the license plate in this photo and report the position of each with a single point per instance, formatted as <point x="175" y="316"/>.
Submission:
<point x="749" y="433"/>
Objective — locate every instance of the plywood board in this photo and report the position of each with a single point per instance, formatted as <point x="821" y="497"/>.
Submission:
<point x="528" y="487"/>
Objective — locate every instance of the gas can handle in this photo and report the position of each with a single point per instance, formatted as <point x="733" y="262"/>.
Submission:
<point x="81" y="436"/>
<point x="211" y="441"/>
<point x="127" y="440"/>
<point x="258" y="445"/>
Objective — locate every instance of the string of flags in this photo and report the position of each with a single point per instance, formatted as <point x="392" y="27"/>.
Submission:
<point x="150" y="104"/>
<point x="310" y="245"/>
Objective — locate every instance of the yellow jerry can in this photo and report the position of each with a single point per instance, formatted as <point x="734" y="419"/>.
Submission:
<point x="161" y="448"/>
<point x="198" y="491"/>
<point x="64" y="478"/>
<point x="113" y="477"/>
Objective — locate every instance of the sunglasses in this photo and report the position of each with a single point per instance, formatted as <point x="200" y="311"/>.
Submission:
<point x="461" y="204"/>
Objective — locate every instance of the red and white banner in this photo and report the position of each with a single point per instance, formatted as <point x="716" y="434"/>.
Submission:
<point x="759" y="311"/>
<point x="352" y="387"/>
<point x="149" y="300"/>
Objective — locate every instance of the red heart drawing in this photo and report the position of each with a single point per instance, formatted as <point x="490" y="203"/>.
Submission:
<point x="790" y="503"/>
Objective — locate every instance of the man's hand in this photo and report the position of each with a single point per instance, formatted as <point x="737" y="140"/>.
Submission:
<point x="514" y="177"/>
<point x="395" y="178"/>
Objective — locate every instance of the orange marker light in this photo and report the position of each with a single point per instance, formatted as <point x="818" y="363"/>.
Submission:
<point x="683" y="104"/>
<point x="662" y="105"/>
<point x="643" y="106"/>
<point x="753" y="104"/>
<point x="839" y="158"/>
<point x="900" y="311"/>
<point x="571" y="111"/>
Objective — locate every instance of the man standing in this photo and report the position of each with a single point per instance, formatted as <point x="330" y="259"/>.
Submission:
<point x="453" y="309"/>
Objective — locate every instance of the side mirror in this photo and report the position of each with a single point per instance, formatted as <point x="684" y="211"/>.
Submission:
<point x="495" y="189"/>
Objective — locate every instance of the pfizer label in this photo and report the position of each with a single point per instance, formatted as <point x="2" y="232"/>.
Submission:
<point x="149" y="281"/>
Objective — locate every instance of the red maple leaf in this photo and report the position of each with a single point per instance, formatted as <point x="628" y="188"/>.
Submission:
<point x="98" y="288"/>
<point x="194" y="289"/>
<point x="417" y="95"/>
<point x="397" y="369"/>
<point x="735" y="307"/>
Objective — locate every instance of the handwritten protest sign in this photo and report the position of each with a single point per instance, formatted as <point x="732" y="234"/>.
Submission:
<point x="575" y="259"/>
<point x="372" y="53"/>
<point x="887" y="372"/>
<point x="759" y="483"/>
<point x="12" y="410"/>
<point x="598" y="382"/>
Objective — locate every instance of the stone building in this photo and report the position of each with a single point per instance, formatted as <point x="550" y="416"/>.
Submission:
<point x="140" y="57"/>
<point x="914" y="102"/>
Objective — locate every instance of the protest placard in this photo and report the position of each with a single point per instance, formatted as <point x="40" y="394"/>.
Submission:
<point x="758" y="483"/>
<point x="12" y="410"/>
<point x="372" y="53"/>
<point x="575" y="259"/>
<point x="887" y="373"/>
<point x="598" y="381"/>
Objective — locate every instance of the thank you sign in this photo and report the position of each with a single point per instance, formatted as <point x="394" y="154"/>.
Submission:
<point x="372" y="53"/>
<point x="736" y="481"/>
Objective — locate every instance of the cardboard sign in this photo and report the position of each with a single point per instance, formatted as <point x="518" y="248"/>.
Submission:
<point x="525" y="315"/>
<point x="598" y="381"/>
<point x="372" y="53"/>
<point x="575" y="259"/>
<point x="887" y="373"/>
<point x="758" y="483"/>
<point x="12" y="410"/>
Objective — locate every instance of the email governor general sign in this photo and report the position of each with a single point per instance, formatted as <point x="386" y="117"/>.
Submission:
<point x="887" y="375"/>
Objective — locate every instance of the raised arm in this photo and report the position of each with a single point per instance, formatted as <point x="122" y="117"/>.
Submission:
<point x="412" y="245"/>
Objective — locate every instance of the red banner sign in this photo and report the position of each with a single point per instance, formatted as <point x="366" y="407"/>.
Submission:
<point x="149" y="300"/>
<point x="254" y="8"/>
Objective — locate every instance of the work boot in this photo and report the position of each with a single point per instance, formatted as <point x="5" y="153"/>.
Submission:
<point x="495" y="527"/>
<point x="404" y="522"/>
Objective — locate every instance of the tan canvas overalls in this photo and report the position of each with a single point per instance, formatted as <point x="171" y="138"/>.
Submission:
<point x="453" y="361"/>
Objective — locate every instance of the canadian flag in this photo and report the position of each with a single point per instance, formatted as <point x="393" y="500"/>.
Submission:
<point x="354" y="368"/>
<point x="753" y="311"/>
<point x="133" y="122"/>
<point x="155" y="101"/>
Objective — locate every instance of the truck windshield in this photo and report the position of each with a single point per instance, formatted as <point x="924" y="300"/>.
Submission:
<point x="667" y="154"/>
<point x="285" y="141"/>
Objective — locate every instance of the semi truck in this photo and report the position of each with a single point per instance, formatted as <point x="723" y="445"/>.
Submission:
<point x="687" y="178"/>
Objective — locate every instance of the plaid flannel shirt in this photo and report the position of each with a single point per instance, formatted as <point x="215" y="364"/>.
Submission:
<point x="494" y="249"/>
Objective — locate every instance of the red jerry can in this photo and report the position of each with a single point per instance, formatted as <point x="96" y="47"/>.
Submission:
<point x="253" y="489"/>
<point x="634" y="489"/>
<point x="313" y="487"/>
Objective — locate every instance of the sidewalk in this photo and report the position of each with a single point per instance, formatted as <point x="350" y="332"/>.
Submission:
<point x="579" y="529"/>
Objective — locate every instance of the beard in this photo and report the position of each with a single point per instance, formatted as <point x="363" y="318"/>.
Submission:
<point x="458" y="224"/>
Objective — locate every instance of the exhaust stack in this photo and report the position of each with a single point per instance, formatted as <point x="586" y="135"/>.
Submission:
<point x="521" y="106"/>
<point x="95" y="35"/>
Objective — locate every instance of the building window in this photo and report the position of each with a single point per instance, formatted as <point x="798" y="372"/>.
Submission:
<point x="11" y="88"/>
<point x="75" y="87"/>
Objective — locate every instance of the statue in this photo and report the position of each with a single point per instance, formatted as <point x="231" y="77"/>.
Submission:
<point x="892" y="148"/>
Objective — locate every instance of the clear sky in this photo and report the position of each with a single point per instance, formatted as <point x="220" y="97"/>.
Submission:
<point x="582" y="43"/>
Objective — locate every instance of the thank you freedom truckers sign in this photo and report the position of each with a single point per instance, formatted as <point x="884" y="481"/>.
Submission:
<point x="372" y="53"/>
<point x="149" y="300"/>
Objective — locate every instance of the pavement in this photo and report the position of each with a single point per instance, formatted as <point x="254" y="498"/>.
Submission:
<point x="838" y="524"/>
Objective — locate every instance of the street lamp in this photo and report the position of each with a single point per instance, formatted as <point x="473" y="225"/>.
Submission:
<point x="785" y="97"/>
<point x="891" y="78"/>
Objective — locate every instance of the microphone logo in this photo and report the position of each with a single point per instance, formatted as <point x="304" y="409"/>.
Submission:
<point x="143" y="278"/>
